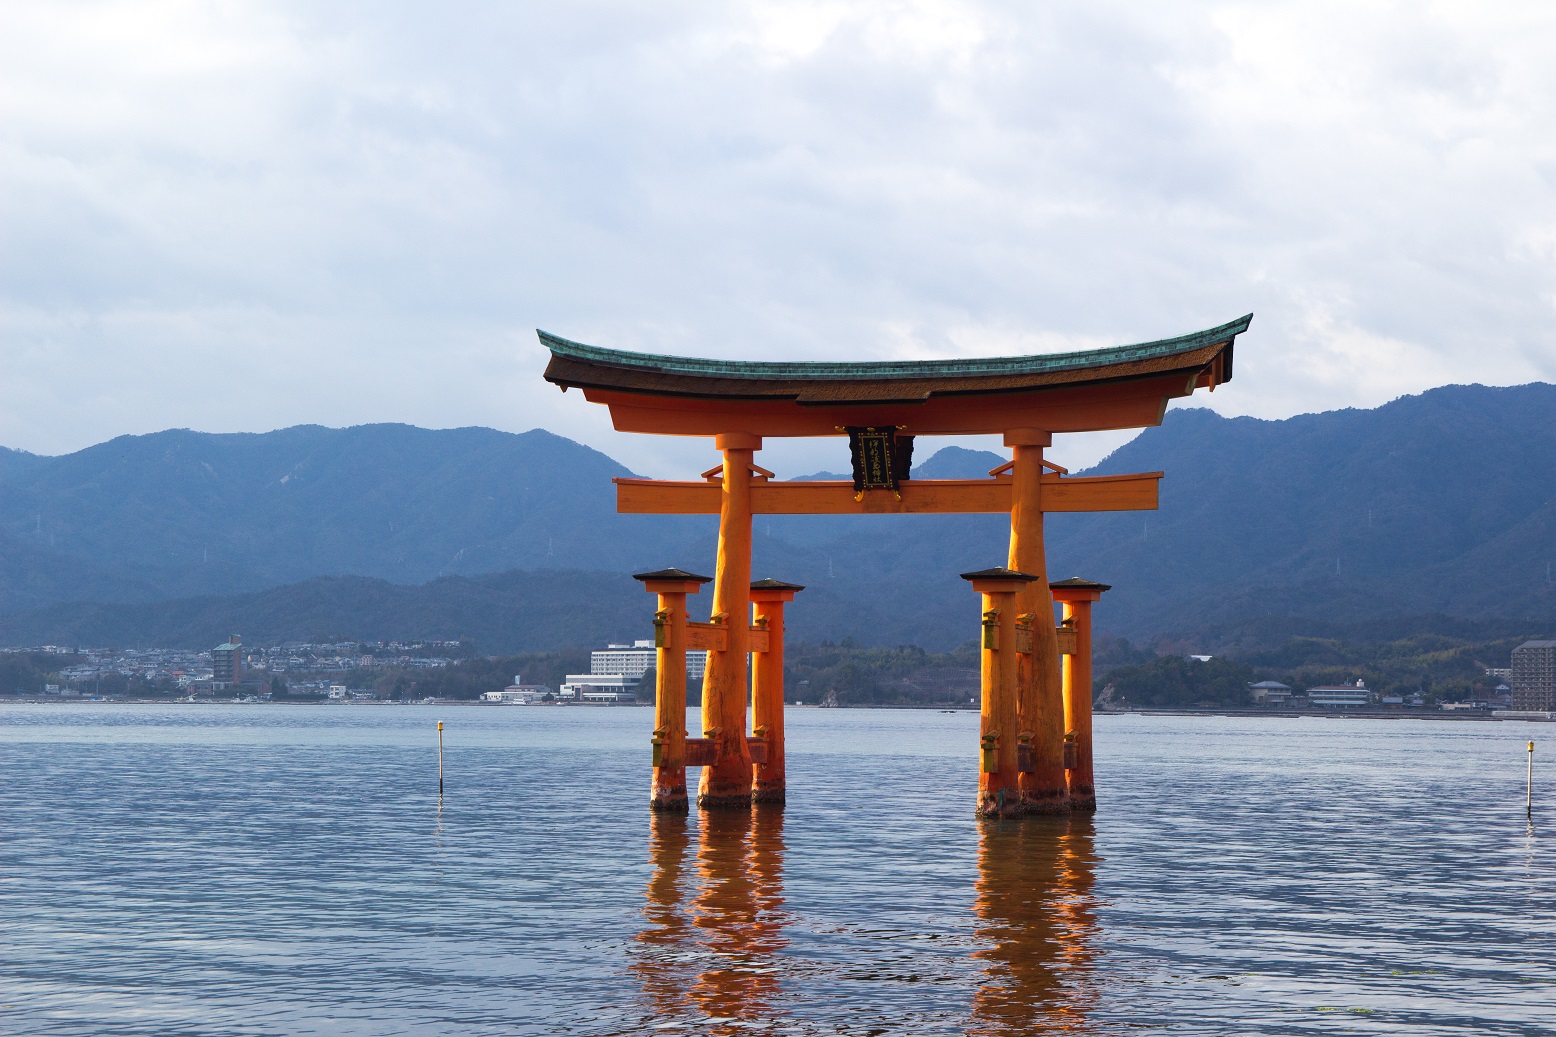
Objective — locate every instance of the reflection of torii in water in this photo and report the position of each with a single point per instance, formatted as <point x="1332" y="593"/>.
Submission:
<point x="717" y="956"/>
<point x="1036" y="910"/>
<point x="711" y="951"/>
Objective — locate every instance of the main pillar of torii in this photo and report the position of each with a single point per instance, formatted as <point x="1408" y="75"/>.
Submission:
<point x="881" y="407"/>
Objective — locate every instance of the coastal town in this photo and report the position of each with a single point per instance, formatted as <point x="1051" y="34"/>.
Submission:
<point x="621" y="674"/>
<point x="231" y="670"/>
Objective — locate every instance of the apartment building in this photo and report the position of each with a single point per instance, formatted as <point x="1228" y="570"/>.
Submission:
<point x="1533" y="683"/>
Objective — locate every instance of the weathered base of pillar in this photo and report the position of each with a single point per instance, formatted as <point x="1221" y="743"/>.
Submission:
<point x="667" y="790"/>
<point x="771" y="791"/>
<point x="1003" y="803"/>
<point x="1045" y="791"/>
<point x="669" y="799"/>
<point x="732" y="801"/>
<point x="1053" y="803"/>
<point x="1083" y="800"/>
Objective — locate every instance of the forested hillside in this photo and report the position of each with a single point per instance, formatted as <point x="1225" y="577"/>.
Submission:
<point x="1425" y="514"/>
<point x="180" y="513"/>
<point x="1439" y="503"/>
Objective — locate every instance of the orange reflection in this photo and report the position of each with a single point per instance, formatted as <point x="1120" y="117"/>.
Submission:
<point x="1038" y="914"/>
<point x="668" y="933"/>
<point x="720" y="958"/>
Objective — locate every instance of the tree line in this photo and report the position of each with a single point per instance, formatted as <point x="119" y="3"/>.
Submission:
<point x="1439" y="669"/>
<point x="845" y="673"/>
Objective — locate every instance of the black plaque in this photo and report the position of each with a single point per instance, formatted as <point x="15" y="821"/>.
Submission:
<point x="881" y="458"/>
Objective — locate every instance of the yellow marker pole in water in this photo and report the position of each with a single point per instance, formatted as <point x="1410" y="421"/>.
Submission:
<point x="440" y="758"/>
<point x="1529" y="794"/>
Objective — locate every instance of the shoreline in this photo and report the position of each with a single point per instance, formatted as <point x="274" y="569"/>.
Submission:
<point x="1455" y="716"/>
<point x="1355" y="714"/>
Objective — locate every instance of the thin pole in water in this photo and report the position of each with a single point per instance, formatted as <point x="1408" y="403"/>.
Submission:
<point x="440" y="758"/>
<point x="1529" y="792"/>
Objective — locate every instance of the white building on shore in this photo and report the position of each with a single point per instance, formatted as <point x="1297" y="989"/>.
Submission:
<point x="600" y="688"/>
<point x="1340" y="695"/>
<point x="616" y="671"/>
<point x="518" y="693"/>
<point x="635" y="659"/>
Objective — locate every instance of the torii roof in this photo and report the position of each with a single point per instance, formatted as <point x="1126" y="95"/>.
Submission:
<point x="1077" y="583"/>
<point x="1000" y="572"/>
<point x="1118" y="387"/>
<point x="672" y="574"/>
<point x="770" y="584"/>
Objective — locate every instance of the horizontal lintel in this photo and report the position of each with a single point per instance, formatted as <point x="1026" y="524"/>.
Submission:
<point x="918" y="496"/>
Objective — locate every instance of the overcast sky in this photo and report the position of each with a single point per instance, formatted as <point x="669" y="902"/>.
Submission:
<point x="239" y="216"/>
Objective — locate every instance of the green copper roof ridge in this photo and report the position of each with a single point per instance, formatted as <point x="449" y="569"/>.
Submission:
<point x="819" y="370"/>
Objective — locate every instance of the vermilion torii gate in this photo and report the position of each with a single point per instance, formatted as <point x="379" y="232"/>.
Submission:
<point x="881" y="407"/>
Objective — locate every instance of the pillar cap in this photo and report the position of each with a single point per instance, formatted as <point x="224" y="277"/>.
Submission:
<point x="770" y="584"/>
<point x="672" y="581"/>
<point x="998" y="580"/>
<point x="1077" y="582"/>
<point x="737" y="441"/>
<point x="774" y="590"/>
<point x="1077" y="589"/>
<point x="1028" y="437"/>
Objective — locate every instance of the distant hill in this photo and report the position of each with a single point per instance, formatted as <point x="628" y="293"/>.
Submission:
<point x="1439" y="503"/>
<point x="506" y="613"/>
<point x="1434" y="512"/>
<point x="502" y="613"/>
<point x="184" y="513"/>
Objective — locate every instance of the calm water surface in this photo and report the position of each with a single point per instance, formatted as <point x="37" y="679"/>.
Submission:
<point x="287" y="870"/>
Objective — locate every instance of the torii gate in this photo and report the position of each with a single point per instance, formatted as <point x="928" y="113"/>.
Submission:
<point x="881" y="407"/>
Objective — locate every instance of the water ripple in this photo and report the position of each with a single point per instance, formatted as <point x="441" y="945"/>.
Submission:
<point x="290" y="870"/>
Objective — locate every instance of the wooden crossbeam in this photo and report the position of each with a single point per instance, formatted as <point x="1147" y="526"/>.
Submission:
<point x="919" y="496"/>
<point x="1064" y="635"/>
<point x="704" y="752"/>
<point x="709" y="637"/>
<point x="714" y="637"/>
<point x="1026" y="756"/>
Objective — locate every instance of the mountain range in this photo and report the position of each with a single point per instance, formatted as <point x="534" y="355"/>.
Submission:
<point x="1434" y="510"/>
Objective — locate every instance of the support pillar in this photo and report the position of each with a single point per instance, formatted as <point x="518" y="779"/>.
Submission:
<point x="1077" y="595"/>
<point x="727" y="781"/>
<point x="767" y="600"/>
<point x="668" y="792"/>
<point x="999" y="778"/>
<point x="1039" y="694"/>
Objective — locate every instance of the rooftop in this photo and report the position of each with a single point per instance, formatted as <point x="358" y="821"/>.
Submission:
<point x="1079" y="584"/>
<point x="1121" y="387"/>
<point x="1000" y="573"/>
<point x="770" y="584"/>
<point x="565" y="353"/>
<point x="672" y="574"/>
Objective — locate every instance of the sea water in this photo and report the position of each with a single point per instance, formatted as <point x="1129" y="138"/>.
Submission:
<point x="259" y="869"/>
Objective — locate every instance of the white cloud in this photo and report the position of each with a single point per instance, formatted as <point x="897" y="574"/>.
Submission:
<point x="246" y="215"/>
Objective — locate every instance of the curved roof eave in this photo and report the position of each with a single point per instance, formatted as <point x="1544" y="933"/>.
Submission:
<point x="918" y="370"/>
